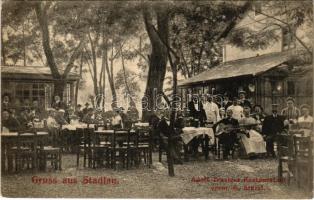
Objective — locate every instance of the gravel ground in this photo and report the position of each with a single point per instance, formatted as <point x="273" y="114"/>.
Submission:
<point x="155" y="183"/>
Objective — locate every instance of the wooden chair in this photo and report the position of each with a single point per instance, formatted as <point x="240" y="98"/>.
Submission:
<point x="304" y="162"/>
<point x="100" y="149"/>
<point x="145" y="146"/>
<point x="285" y="157"/>
<point x="118" y="148"/>
<point x="50" y="154"/>
<point x="86" y="143"/>
<point x="25" y="152"/>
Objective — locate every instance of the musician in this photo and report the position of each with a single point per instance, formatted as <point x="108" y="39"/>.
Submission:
<point x="272" y="125"/>
<point x="227" y="137"/>
<point x="253" y="142"/>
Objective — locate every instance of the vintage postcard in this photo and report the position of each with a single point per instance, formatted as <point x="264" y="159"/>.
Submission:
<point x="157" y="99"/>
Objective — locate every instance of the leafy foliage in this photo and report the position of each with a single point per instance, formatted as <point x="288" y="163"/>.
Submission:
<point x="131" y="80"/>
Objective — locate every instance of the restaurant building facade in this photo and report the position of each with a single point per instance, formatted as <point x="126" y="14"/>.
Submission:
<point x="26" y="84"/>
<point x="268" y="75"/>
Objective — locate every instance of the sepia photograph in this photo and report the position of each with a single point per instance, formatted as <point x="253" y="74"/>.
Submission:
<point x="167" y="99"/>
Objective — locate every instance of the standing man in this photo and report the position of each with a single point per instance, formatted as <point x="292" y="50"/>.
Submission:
<point x="272" y="125"/>
<point x="211" y="110"/>
<point x="193" y="106"/>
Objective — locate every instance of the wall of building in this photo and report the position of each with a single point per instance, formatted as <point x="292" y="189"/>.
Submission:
<point x="257" y="22"/>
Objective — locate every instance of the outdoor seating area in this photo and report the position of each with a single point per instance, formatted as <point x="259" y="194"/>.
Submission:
<point x="157" y="99"/>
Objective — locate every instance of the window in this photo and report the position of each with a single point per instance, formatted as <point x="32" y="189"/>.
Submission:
<point x="290" y="88"/>
<point x="258" y="8"/>
<point x="288" y="39"/>
<point x="29" y="92"/>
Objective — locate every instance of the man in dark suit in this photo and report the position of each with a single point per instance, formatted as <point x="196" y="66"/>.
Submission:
<point x="193" y="107"/>
<point x="272" y="125"/>
<point x="165" y="131"/>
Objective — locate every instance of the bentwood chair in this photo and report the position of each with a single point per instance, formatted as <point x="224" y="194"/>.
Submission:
<point x="86" y="144"/>
<point x="145" y="141"/>
<point x="25" y="152"/>
<point x="286" y="159"/>
<point x="304" y="162"/>
<point x="118" y="149"/>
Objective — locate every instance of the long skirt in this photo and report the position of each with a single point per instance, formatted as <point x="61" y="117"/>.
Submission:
<point x="254" y="144"/>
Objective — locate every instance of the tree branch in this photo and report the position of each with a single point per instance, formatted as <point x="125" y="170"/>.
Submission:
<point x="290" y="29"/>
<point x="74" y="56"/>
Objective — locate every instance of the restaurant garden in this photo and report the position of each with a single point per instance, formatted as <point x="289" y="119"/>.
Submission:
<point x="149" y="99"/>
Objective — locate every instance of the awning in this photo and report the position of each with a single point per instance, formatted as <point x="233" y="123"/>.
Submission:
<point x="243" y="67"/>
<point x="32" y="72"/>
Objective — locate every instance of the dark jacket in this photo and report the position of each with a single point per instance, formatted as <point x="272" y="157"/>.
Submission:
<point x="272" y="125"/>
<point x="59" y="105"/>
<point x="11" y="123"/>
<point x="164" y="128"/>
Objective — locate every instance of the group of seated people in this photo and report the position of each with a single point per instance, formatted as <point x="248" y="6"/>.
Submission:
<point x="61" y="114"/>
<point x="238" y="122"/>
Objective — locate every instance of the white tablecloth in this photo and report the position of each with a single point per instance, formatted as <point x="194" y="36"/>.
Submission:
<point x="190" y="132"/>
<point x="73" y="127"/>
<point x="141" y="124"/>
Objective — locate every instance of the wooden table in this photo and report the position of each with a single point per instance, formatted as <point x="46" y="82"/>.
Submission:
<point x="10" y="139"/>
<point x="207" y="135"/>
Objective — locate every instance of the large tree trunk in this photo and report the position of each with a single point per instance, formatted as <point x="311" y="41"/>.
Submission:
<point x="59" y="86"/>
<point x="158" y="58"/>
<point x="3" y="60"/>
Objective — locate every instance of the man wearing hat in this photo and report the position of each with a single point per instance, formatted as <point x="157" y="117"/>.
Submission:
<point x="272" y="125"/>
<point x="243" y="100"/>
<point x="291" y="112"/>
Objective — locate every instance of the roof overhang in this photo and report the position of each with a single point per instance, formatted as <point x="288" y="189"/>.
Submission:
<point x="248" y="67"/>
<point x="40" y="73"/>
